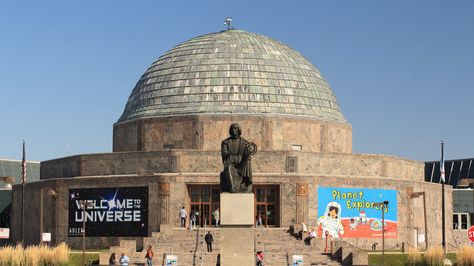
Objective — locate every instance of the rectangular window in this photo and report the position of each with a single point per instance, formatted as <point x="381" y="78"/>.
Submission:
<point x="296" y="147"/>
<point x="205" y="194"/>
<point x="260" y="195"/>
<point x="195" y="197"/>
<point x="216" y="195"/>
<point x="455" y="222"/>
<point x="464" y="221"/>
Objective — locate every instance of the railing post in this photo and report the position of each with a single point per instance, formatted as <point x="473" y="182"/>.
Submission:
<point x="201" y="253"/>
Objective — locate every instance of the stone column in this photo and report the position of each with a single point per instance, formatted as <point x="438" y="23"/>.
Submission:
<point x="237" y="232"/>
<point x="302" y="203"/>
<point x="164" y="195"/>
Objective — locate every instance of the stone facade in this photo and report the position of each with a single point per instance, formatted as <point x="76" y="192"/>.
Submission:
<point x="186" y="161"/>
<point x="204" y="132"/>
<point x="295" y="204"/>
<point x="193" y="158"/>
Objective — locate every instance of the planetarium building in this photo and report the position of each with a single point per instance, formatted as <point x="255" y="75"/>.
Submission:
<point x="167" y="155"/>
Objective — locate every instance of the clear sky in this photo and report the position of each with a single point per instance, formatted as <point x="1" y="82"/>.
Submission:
<point x="402" y="71"/>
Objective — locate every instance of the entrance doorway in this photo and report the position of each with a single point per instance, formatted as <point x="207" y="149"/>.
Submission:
<point x="267" y="204"/>
<point x="204" y="201"/>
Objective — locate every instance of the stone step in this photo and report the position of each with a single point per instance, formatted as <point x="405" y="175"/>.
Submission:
<point x="277" y="244"/>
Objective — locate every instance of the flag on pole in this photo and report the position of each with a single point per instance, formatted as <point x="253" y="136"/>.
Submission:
<point x="23" y="165"/>
<point x="441" y="164"/>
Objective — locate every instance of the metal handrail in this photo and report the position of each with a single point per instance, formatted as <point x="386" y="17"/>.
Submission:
<point x="202" y="258"/>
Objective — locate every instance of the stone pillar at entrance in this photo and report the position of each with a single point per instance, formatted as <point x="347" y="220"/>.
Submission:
<point x="302" y="203"/>
<point x="164" y="196"/>
<point x="237" y="233"/>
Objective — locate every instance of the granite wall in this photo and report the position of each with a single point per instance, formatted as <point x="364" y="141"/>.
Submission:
<point x="204" y="132"/>
<point x="190" y="161"/>
<point x="168" y="192"/>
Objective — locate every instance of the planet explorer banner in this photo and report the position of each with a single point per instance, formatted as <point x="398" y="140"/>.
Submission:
<point x="350" y="212"/>
<point x="121" y="211"/>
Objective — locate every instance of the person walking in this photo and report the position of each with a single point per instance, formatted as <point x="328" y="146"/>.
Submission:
<point x="149" y="256"/>
<point x="124" y="260"/>
<point x="192" y="221"/>
<point x="183" y="214"/>
<point x="217" y="216"/>
<point x="259" y="220"/>
<point x="209" y="239"/>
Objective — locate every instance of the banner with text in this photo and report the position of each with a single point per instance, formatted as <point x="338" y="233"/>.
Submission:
<point x="121" y="211"/>
<point x="354" y="212"/>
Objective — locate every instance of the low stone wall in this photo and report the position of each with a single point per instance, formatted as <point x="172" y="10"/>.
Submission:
<point x="189" y="161"/>
<point x="347" y="254"/>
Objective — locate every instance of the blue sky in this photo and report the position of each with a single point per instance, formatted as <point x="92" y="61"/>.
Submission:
<point x="402" y="71"/>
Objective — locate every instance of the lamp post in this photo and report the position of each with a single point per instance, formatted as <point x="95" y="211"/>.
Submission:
<point x="417" y="195"/>
<point x="443" y="211"/>
<point x="84" y="204"/>
<point x="52" y="193"/>
<point x="383" y="207"/>
<point x="326" y="234"/>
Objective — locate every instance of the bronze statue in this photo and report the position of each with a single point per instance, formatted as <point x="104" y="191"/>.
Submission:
<point x="236" y="152"/>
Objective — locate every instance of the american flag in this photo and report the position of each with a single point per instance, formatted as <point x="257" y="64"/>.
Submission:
<point x="23" y="166"/>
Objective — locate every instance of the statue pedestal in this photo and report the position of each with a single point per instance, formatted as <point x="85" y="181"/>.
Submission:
<point x="237" y="232"/>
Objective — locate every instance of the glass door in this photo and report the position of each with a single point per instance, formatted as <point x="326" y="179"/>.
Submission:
<point x="266" y="204"/>
<point x="204" y="201"/>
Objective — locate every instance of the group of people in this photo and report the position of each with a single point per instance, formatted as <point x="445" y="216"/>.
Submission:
<point x="305" y="234"/>
<point x="124" y="260"/>
<point x="183" y="215"/>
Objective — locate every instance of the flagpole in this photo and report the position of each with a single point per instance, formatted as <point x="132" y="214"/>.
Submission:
<point x="23" y="177"/>
<point x="443" y="180"/>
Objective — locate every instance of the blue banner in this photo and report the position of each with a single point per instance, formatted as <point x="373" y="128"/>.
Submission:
<point x="356" y="212"/>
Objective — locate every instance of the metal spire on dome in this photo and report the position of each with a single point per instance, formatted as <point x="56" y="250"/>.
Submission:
<point x="228" y="22"/>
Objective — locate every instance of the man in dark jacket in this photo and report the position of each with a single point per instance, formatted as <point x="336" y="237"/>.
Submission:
<point x="209" y="239"/>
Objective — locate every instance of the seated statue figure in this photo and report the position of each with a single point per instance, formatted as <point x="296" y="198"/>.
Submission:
<point x="236" y="152"/>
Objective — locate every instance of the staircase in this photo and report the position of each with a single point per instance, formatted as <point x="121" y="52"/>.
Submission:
<point x="190" y="248"/>
<point x="279" y="246"/>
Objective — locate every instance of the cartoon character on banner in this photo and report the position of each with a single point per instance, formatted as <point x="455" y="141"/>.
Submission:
<point x="353" y="225"/>
<point x="331" y="222"/>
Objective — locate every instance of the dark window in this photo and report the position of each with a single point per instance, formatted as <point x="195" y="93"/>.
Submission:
<point x="455" y="222"/>
<point x="464" y="221"/>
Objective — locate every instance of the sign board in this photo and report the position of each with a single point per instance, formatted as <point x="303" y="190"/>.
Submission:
<point x="118" y="211"/>
<point x="470" y="234"/>
<point x="171" y="260"/>
<point x="46" y="237"/>
<point x="4" y="233"/>
<point x="297" y="260"/>
<point x="421" y="238"/>
<point x="354" y="212"/>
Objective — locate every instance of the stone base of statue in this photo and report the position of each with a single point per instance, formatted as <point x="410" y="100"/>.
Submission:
<point x="237" y="232"/>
